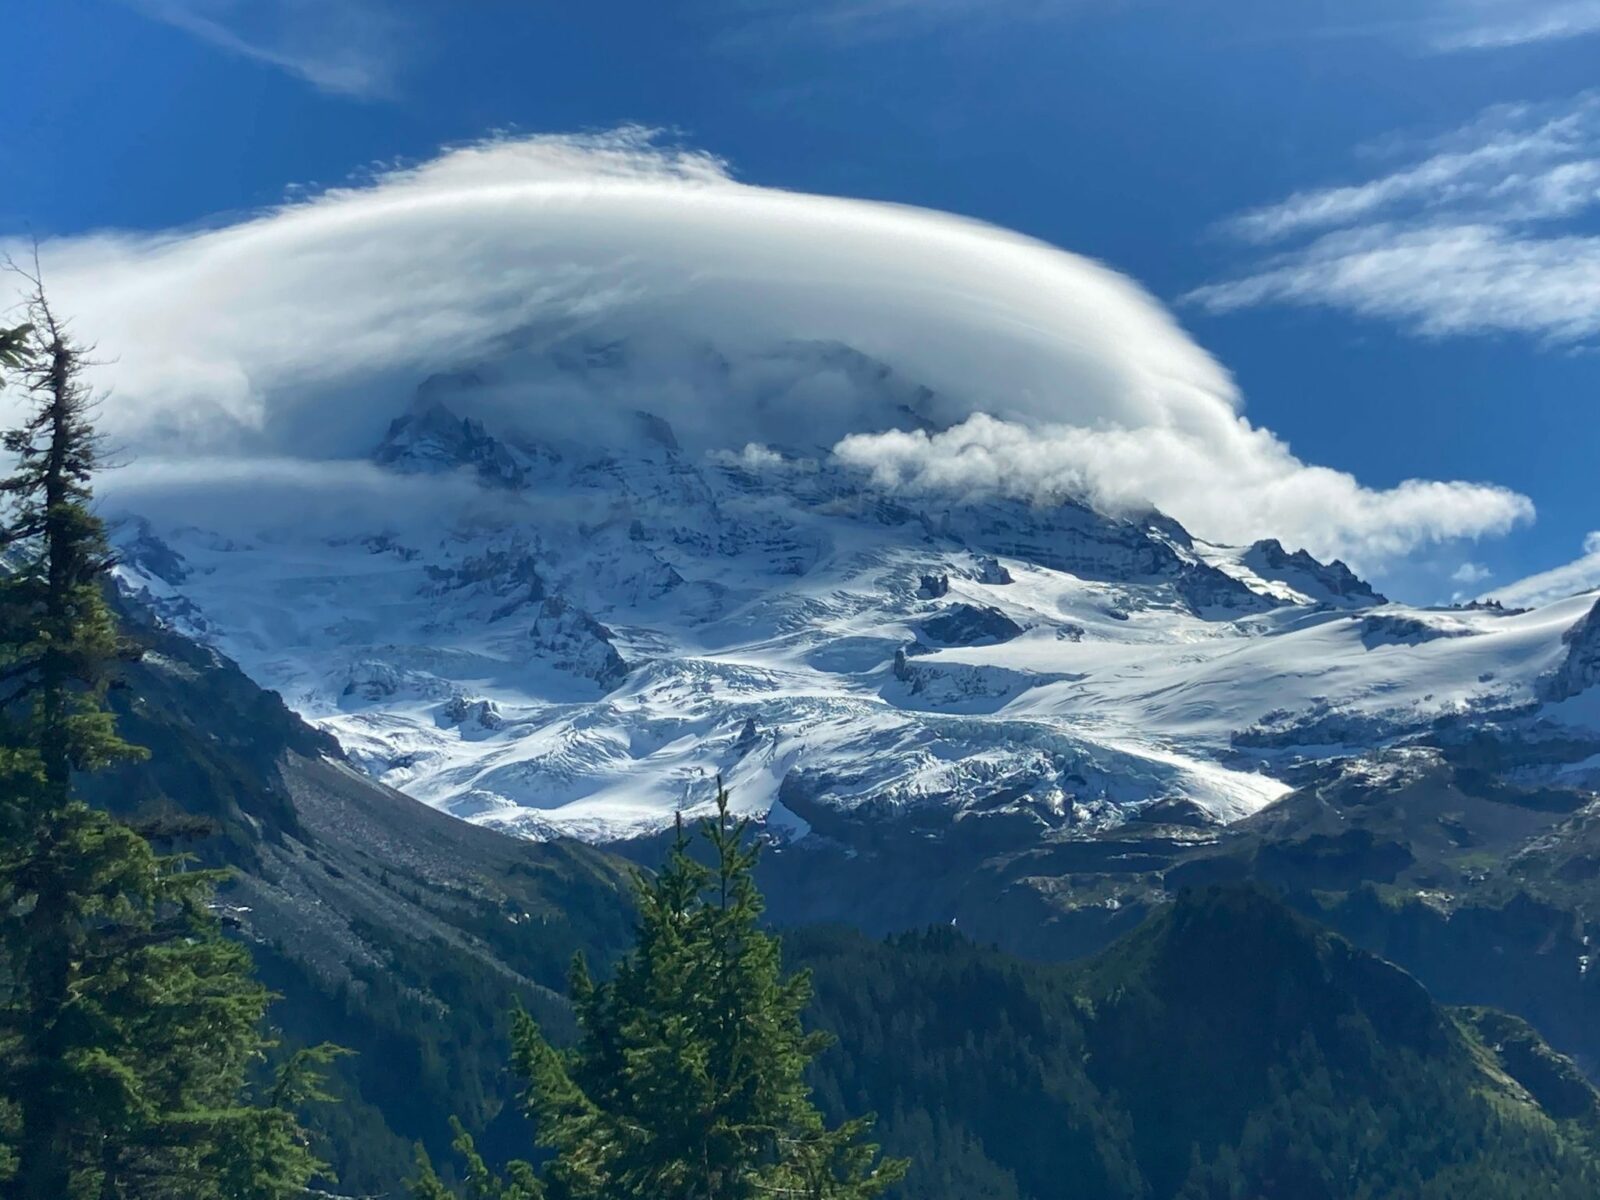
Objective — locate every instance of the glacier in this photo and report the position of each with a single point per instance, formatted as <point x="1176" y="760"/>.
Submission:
<point x="574" y="627"/>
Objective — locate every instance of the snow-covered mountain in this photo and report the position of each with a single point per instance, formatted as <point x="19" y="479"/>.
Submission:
<point x="575" y="628"/>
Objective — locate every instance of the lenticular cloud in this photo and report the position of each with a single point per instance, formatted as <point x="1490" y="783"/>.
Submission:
<point x="300" y="331"/>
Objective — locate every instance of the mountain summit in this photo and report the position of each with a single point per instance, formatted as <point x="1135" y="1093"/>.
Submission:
<point x="573" y="626"/>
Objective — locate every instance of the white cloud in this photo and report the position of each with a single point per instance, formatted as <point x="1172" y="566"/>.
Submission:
<point x="285" y="496"/>
<point x="302" y="331"/>
<point x="353" y="47"/>
<point x="758" y="24"/>
<point x="1229" y="482"/>
<point x="1471" y="572"/>
<point x="1429" y="26"/>
<point x="1518" y="161"/>
<point x="1580" y="575"/>
<point x="1448" y="280"/>
<point x="1501" y="24"/>
<point x="1475" y="237"/>
<point x="754" y="457"/>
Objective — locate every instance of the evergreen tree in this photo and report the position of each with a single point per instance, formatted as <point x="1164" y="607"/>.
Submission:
<point x="688" y="1081"/>
<point x="128" y="1024"/>
<point x="13" y="346"/>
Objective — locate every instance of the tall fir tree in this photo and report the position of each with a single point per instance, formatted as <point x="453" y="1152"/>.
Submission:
<point x="688" y="1081"/>
<point x="129" y="1027"/>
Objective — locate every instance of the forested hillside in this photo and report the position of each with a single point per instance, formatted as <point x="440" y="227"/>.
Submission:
<point x="1226" y="1048"/>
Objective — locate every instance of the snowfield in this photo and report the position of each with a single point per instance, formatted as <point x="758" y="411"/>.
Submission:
<point x="557" y="638"/>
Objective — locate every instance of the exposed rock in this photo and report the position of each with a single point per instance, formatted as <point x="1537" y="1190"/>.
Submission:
<point x="484" y="714"/>
<point x="969" y="625"/>
<point x="990" y="571"/>
<point x="1580" y="670"/>
<point x="1331" y="582"/>
<point x="1203" y="588"/>
<point x="1386" y="629"/>
<point x="931" y="587"/>
<point x="147" y="553"/>
<point x="499" y="572"/>
<point x="656" y="429"/>
<point x="576" y="642"/>
<point x="371" y="680"/>
<point x="1073" y="537"/>
<point x="382" y="543"/>
<point x="432" y="439"/>
<point x="1489" y="606"/>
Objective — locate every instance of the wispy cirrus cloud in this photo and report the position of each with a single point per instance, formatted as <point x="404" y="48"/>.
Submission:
<point x="1517" y="162"/>
<point x="752" y="24"/>
<point x="1480" y="231"/>
<point x="1500" y="24"/>
<point x="1580" y="575"/>
<point x="1431" y="26"/>
<point x="349" y="47"/>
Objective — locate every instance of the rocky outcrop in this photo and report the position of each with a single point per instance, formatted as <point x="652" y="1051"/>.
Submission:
<point x="432" y="439"/>
<point x="1580" y="669"/>
<point x="1078" y="540"/>
<point x="574" y="641"/>
<point x="969" y="625"/>
<point x="1325" y="583"/>
<point x="1393" y="629"/>
<point x="138" y="547"/>
<point x="991" y="572"/>
<point x="477" y="714"/>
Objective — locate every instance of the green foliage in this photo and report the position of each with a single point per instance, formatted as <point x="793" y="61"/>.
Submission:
<point x="1226" y="1050"/>
<point x="688" y="1080"/>
<point x="14" y="347"/>
<point x="57" y="635"/>
<point x="128" y="1023"/>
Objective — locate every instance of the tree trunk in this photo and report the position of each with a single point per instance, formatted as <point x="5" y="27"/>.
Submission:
<point x="45" y="1168"/>
<point x="54" y="742"/>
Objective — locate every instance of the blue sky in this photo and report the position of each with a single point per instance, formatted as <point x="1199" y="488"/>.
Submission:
<point x="1434" y="319"/>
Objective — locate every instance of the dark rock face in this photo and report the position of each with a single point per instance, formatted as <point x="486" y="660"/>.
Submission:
<point x="151" y="555"/>
<point x="969" y="625"/>
<point x="578" y="643"/>
<point x="431" y="438"/>
<point x="1203" y="587"/>
<point x="1069" y="537"/>
<point x="1332" y="581"/>
<point x="483" y="714"/>
<point x="1074" y="538"/>
<point x="991" y="572"/>
<point x="1381" y="629"/>
<point x="1580" y="670"/>
<point x="657" y="431"/>
<point x="931" y="587"/>
<point x="495" y="573"/>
